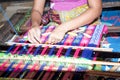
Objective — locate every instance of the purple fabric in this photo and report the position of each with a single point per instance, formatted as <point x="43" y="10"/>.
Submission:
<point x="64" y="0"/>
<point x="66" y="4"/>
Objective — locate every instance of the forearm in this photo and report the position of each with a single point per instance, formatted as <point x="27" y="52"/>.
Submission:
<point x="86" y="18"/>
<point x="36" y="19"/>
<point x="37" y="12"/>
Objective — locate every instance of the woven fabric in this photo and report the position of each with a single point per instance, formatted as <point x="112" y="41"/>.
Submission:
<point x="54" y="17"/>
<point x="68" y="15"/>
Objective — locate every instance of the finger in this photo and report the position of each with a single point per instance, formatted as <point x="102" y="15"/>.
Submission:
<point x="54" y="40"/>
<point x="31" y="38"/>
<point x="49" y="41"/>
<point x="37" y="36"/>
<point x="58" y="40"/>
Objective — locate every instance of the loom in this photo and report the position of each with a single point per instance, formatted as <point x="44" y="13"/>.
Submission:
<point x="78" y="55"/>
<point x="72" y="54"/>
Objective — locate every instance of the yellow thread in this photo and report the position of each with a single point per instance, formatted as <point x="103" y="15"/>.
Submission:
<point x="72" y="34"/>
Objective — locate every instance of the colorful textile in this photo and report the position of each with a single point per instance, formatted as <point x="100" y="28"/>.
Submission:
<point x="70" y="14"/>
<point x="56" y="17"/>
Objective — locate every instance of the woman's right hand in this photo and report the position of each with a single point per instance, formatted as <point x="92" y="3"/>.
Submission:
<point x="34" y="35"/>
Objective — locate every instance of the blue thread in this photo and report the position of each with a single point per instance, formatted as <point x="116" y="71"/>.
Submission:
<point x="79" y="68"/>
<point x="96" y="35"/>
<point x="9" y="69"/>
<point x="23" y="50"/>
<point x="42" y="67"/>
<point x="87" y="53"/>
<point x="60" y="68"/>
<point x="64" y="39"/>
<point x="37" y="50"/>
<point x="67" y="54"/>
<point x="51" y="52"/>
<point x="25" y="67"/>
<point x="77" y="40"/>
<point x="10" y="48"/>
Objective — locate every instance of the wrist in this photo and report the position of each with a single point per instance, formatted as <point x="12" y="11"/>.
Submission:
<point x="37" y="11"/>
<point x="36" y="28"/>
<point x="35" y="25"/>
<point x="65" y="28"/>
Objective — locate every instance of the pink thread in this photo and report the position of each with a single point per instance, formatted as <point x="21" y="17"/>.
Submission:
<point x="66" y="76"/>
<point x="95" y="57"/>
<point x="69" y="40"/>
<point x="46" y="76"/>
<point x="71" y="67"/>
<point x="18" y="66"/>
<point x="44" y="50"/>
<point x="51" y="67"/>
<point x="33" y="68"/>
<point x="85" y="40"/>
<point x="16" y="69"/>
<point x="16" y="49"/>
<point x="30" y="49"/>
<point x="59" y="52"/>
<point x="77" y="52"/>
<point x="51" y="76"/>
<point x="3" y="65"/>
<point x="105" y="31"/>
<point x="50" y="29"/>
<point x="43" y="37"/>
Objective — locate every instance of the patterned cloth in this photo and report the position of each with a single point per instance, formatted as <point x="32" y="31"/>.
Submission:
<point x="54" y="17"/>
<point x="68" y="15"/>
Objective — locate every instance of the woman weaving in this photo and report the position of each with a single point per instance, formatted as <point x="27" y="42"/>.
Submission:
<point x="70" y="14"/>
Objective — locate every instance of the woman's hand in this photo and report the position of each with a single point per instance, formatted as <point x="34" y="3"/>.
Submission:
<point x="34" y="35"/>
<point x="57" y="35"/>
<point x="36" y="16"/>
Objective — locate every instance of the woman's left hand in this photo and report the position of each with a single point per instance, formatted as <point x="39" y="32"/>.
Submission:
<point x="57" y="35"/>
